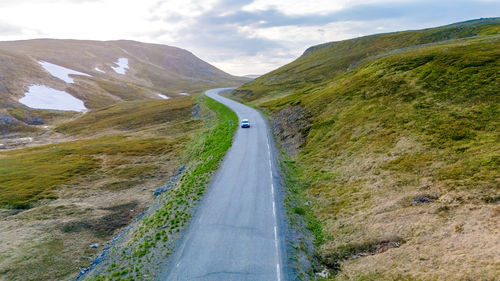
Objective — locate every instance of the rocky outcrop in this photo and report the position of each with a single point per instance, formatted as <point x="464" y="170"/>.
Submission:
<point x="291" y="125"/>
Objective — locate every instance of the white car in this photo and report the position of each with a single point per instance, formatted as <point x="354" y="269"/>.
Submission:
<point x="245" y="123"/>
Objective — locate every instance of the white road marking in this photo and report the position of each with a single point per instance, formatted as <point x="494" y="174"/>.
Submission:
<point x="278" y="271"/>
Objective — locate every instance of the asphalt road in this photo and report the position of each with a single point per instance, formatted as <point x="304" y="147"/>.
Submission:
<point x="234" y="234"/>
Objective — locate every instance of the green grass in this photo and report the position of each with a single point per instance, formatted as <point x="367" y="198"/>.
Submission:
<point x="156" y="234"/>
<point x="28" y="175"/>
<point x="130" y="116"/>
<point x="39" y="116"/>
<point x="454" y="114"/>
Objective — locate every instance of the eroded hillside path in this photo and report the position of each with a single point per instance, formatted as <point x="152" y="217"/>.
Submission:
<point x="234" y="234"/>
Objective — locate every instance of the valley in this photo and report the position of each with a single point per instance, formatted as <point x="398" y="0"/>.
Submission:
<point x="113" y="161"/>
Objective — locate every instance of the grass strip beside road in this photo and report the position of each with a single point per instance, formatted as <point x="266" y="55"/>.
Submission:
<point x="154" y="237"/>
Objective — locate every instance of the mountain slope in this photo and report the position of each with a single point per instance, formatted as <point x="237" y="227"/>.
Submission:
<point x="152" y="69"/>
<point x="323" y="62"/>
<point x="397" y="157"/>
<point x="91" y="75"/>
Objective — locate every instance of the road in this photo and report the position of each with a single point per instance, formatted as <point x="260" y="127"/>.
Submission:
<point x="234" y="234"/>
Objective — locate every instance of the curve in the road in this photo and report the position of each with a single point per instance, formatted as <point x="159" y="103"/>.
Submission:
<point x="234" y="233"/>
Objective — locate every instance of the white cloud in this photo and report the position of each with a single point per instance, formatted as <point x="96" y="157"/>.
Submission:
<point x="293" y="7"/>
<point x="301" y="7"/>
<point x="299" y="35"/>
<point x="100" y="20"/>
<point x="258" y="64"/>
<point x="238" y="36"/>
<point x="186" y="8"/>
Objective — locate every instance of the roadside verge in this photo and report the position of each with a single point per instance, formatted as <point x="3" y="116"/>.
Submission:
<point x="139" y="252"/>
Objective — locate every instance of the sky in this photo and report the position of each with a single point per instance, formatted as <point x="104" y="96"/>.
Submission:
<point x="241" y="37"/>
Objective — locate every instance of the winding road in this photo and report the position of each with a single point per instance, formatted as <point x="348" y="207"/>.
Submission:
<point x="234" y="234"/>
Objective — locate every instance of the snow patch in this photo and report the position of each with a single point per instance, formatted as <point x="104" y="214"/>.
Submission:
<point x="99" y="70"/>
<point x="122" y="66"/>
<point x="163" y="96"/>
<point x="184" y="94"/>
<point x="43" y="97"/>
<point x="61" y="72"/>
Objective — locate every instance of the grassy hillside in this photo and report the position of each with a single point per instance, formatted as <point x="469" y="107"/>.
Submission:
<point x="397" y="156"/>
<point x="28" y="175"/>
<point x="59" y="198"/>
<point x="319" y="64"/>
<point x="132" y="116"/>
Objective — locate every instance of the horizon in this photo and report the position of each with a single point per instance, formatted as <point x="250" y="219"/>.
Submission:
<point x="241" y="37"/>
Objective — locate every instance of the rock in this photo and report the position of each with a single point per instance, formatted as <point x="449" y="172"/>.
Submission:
<point x="173" y="180"/>
<point x="160" y="190"/>
<point x="143" y="189"/>
<point x="325" y="273"/>
<point x="196" y="111"/>
<point x="6" y="119"/>
<point x="83" y="270"/>
<point x="291" y="125"/>
<point x="421" y="199"/>
<point x="307" y="203"/>
<point x="98" y="259"/>
<point x="96" y="245"/>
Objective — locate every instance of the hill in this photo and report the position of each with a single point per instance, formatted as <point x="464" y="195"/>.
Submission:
<point x="149" y="69"/>
<point x="391" y="151"/>
<point x="319" y="64"/>
<point x="94" y="74"/>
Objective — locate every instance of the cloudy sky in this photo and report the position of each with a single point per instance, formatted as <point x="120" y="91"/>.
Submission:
<point x="238" y="36"/>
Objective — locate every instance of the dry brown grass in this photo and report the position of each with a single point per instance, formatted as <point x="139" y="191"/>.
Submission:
<point x="437" y="248"/>
<point x="50" y="240"/>
<point x="455" y="237"/>
<point x="46" y="242"/>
